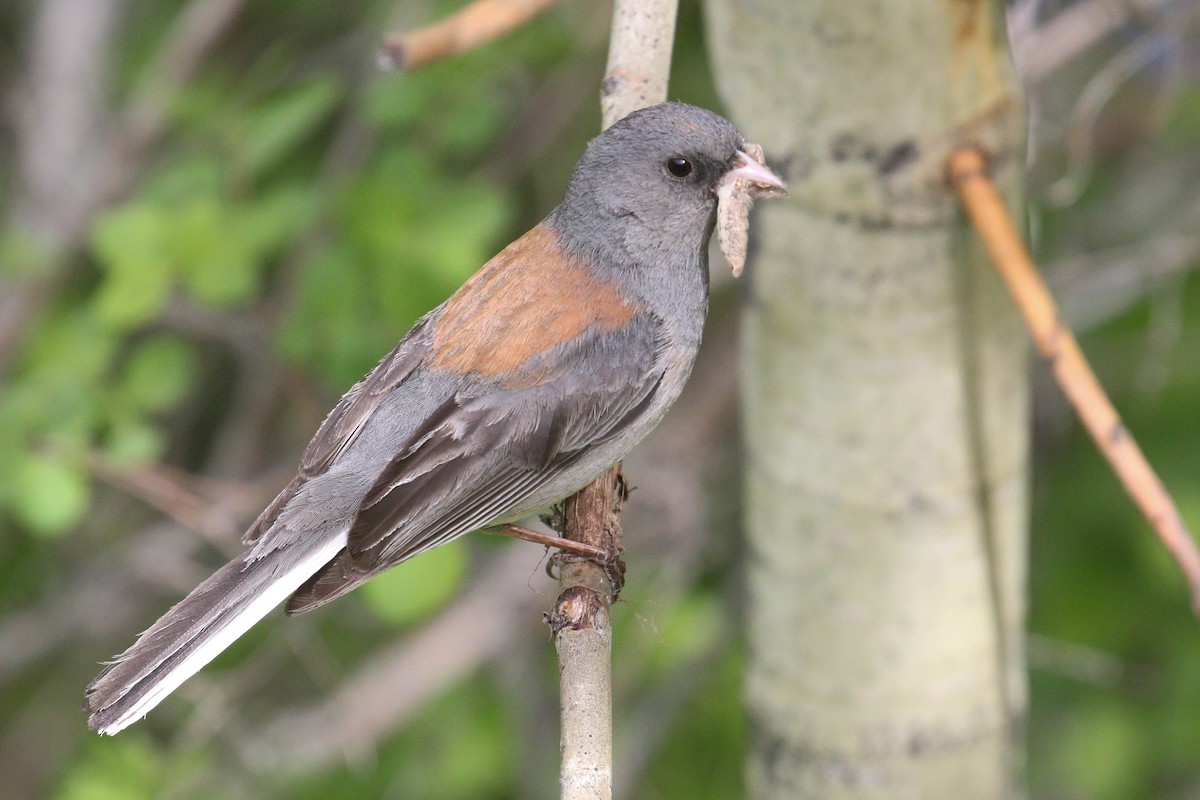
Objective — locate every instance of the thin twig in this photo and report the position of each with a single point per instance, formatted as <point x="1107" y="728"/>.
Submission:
<point x="185" y="498"/>
<point x="1057" y="345"/>
<point x="466" y="29"/>
<point x="1042" y="49"/>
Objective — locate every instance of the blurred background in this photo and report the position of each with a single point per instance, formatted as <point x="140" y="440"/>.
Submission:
<point x="218" y="214"/>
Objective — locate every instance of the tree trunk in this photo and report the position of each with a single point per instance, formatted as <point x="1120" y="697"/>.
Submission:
<point x="886" y="404"/>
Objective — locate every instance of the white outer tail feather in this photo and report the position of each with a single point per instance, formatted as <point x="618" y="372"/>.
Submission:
<point x="271" y="596"/>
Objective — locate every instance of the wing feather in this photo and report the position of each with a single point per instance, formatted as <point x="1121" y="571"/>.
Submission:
<point x="481" y="456"/>
<point x="343" y="424"/>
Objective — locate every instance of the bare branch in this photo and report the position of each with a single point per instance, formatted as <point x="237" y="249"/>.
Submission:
<point x="1057" y="345"/>
<point x="471" y="27"/>
<point x="639" y="64"/>
<point x="1041" y="50"/>
<point x="174" y="493"/>
<point x="639" y="57"/>
<point x="582" y="629"/>
<point x="59" y="110"/>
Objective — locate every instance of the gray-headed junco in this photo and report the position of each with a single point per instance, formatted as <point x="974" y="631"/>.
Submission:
<point x="542" y="371"/>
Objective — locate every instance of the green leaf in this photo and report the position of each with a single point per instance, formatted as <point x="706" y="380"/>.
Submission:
<point x="49" y="495"/>
<point x="464" y="230"/>
<point x="131" y="442"/>
<point x="131" y="244"/>
<point x="413" y="590"/>
<point x="286" y="121"/>
<point x="1102" y="747"/>
<point x="278" y="217"/>
<point x="129" y="768"/>
<point x="158" y="374"/>
<point x="401" y="101"/>
<point x="71" y="349"/>
<point x="382" y="211"/>
<point x="331" y="326"/>
<point x="180" y="180"/>
<point x="688" y="631"/>
<point x="23" y="254"/>
<point x="214" y="254"/>
<point x="1183" y="116"/>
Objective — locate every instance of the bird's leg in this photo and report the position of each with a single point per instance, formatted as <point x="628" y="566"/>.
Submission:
<point x="550" y="540"/>
<point x="569" y="550"/>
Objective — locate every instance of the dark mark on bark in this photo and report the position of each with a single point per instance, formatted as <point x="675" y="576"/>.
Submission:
<point x="899" y="156"/>
<point x="1117" y="434"/>
<point x="843" y="147"/>
<point x="612" y="84"/>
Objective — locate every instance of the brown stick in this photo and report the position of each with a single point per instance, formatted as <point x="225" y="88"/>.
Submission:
<point x="1055" y="343"/>
<point x="466" y="29"/>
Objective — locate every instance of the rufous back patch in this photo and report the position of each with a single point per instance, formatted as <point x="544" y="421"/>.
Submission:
<point x="529" y="298"/>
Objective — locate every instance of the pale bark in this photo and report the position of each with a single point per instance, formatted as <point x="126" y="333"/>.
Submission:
<point x="639" y="64"/>
<point x="885" y="404"/>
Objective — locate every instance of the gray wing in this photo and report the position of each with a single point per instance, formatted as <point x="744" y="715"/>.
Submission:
<point x="344" y="423"/>
<point x="482" y="456"/>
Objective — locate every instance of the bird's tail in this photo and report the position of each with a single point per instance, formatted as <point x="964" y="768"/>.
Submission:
<point x="197" y="629"/>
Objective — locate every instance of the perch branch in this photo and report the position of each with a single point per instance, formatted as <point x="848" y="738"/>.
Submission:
<point x="1057" y="345"/>
<point x="639" y="64"/>
<point x="639" y="57"/>
<point x="470" y="27"/>
<point x="583" y="640"/>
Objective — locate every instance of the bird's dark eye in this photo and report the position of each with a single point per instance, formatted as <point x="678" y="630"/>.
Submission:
<point x="679" y="167"/>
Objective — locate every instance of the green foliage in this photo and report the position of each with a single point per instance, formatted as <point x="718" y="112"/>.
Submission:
<point x="157" y="374"/>
<point x="271" y="133"/>
<point x="211" y="246"/>
<point x="408" y="238"/>
<point x="703" y="756"/>
<point x="132" y="243"/>
<point x="129" y="768"/>
<point x="1101" y="579"/>
<point x="686" y="632"/>
<point x="459" y="748"/>
<point x="22" y="255"/>
<point x="412" y="591"/>
<point x="1182" y="127"/>
<point x="48" y="494"/>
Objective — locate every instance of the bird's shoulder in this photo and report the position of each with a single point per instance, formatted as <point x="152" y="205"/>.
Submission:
<point x="533" y="297"/>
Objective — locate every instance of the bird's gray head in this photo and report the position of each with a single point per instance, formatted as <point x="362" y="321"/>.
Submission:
<point x="644" y="191"/>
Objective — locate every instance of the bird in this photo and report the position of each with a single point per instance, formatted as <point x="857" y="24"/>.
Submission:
<point x="539" y="373"/>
